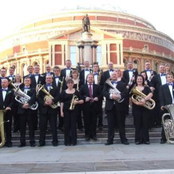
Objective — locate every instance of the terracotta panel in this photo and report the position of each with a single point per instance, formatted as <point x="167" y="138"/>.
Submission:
<point x="113" y="47"/>
<point x="58" y="48"/>
<point x="140" y="24"/>
<point x="58" y="59"/>
<point x="127" y="21"/>
<point x="113" y="57"/>
<point x="17" y="49"/>
<point x="140" y="45"/>
<point x="106" y="18"/>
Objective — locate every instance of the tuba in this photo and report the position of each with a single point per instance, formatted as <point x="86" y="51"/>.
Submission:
<point x="48" y="96"/>
<point x="114" y="90"/>
<point x="168" y="123"/>
<point x="137" y="96"/>
<point x="2" y="135"/>
<point x="72" y="105"/>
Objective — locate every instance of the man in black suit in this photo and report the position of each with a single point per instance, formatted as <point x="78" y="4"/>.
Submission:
<point x="149" y="72"/>
<point x="129" y="76"/>
<point x="107" y="74"/>
<point x="3" y="74"/>
<point x="157" y="81"/>
<point x="115" y="108"/>
<point x="57" y="81"/>
<point x="97" y="78"/>
<point x="47" y="112"/>
<point x="91" y="94"/>
<point x="166" y="95"/>
<point x="36" y="78"/>
<point x="11" y="76"/>
<point x="66" y="73"/>
<point x="30" y="72"/>
<point x="48" y="72"/>
<point x="26" y="114"/>
<point x="84" y="73"/>
<point x="6" y="103"/>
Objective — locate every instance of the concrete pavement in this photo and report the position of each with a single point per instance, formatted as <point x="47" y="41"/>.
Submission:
<point x="87" y="158"/>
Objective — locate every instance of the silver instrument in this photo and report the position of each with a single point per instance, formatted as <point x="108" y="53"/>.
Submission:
<point x="168" y="123"/>
<point x="114" y="90"/>
<point x="23" y="98"/>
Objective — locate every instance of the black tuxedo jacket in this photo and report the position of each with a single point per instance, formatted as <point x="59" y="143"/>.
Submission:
<point x="104" y="77"/>
<point x="84" y="91"/>
<point x="9" y="99"/>
<point x="59" y="83"/>
<point x="33" y="80"/>
<point x="126" y="75"/>
<point x="32" y="93"/>
<point x="156" y="83"/>
<point x="82" y="77"/>
<point x="121" y="86"/>
<point x="165" y="95"/>
<point x="152" y="72"/>
<point x="47" y="109"/>
<point x="63" y="76"/>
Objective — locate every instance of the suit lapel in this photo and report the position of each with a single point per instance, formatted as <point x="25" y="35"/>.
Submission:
<point x="159" y="78"/>
<point x="168" y="91"/>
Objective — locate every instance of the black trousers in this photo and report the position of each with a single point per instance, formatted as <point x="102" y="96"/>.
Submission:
<point x="100" y="113"/>
<point x="70" y="127"/>
<point x="116" y="117"/>
<point x="79" y="117"/>
<point x="61" y="119"/>
<point x="44" y="118"/>
<point x="90" y="121"/>
<point x="8" y="125"/>
<point x="27" y="118"/>
<point x="158" y="113"/>
<point x="141" y="122"/>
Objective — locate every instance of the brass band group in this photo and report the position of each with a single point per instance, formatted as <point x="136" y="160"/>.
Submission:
<point x="72" y="98"/>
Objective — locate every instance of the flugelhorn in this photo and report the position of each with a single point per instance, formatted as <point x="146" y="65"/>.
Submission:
<point x="72" y="105"/>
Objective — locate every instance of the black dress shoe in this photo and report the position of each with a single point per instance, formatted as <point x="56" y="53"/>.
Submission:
<point x="55" y="144"/>
<point x="32" y="144"/>
<point x="147" y="142"/>
<point x="138" y="142"/>
<point x="125" y="142"/>
<point x="41" y="144"/>
<point x="108" y="143"/>
<point x="94" y="138"/>
<point x="162" y="141"/>
<point x="9" y="144"/>
<point x="22" y="145"/>
<point x="87" y="138"/>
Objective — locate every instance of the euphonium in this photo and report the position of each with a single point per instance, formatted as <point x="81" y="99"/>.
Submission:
<point x="2" y="135"/>
<point x="72" y="105"/>
<point x="168" y="123"/>
<point x="114" y="90"/>
<point x="137" y="96"/>
<point x="48" y="96"/>
<point x="23" y="98"/>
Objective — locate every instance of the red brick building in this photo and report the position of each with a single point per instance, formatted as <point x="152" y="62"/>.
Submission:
<point x="121" y="37"/>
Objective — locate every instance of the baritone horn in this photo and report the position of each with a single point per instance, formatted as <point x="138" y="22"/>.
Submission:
<point x="168" y="123"/>
<point x="137" y="96"/>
